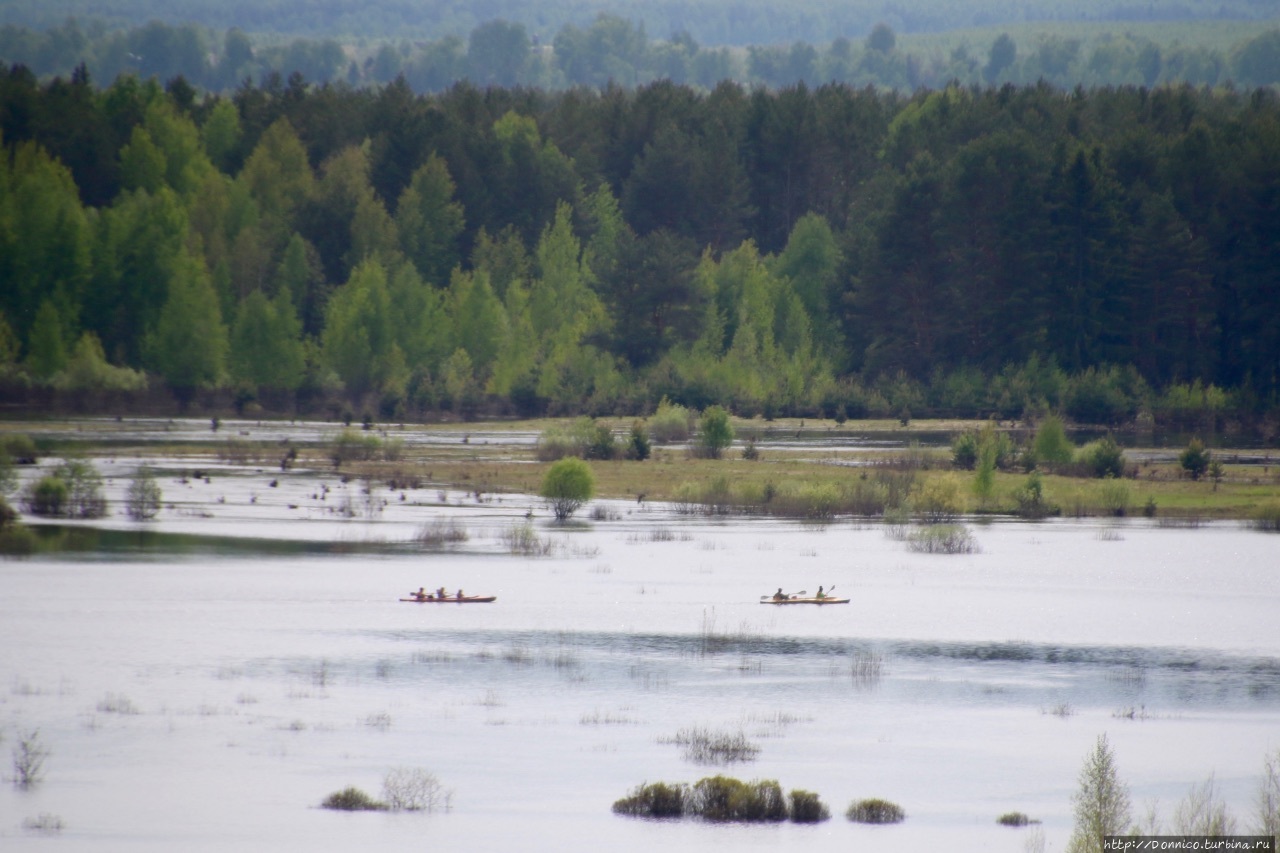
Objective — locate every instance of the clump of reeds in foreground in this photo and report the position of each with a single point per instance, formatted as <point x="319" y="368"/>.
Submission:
<point x="875" y="811"/>
<point x="723" y="799"/>
<point x="352" y="799"/>
<point x="942" y="539"/>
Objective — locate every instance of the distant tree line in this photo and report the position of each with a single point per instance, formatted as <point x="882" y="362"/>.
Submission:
<point x="712" y="22"/>
<point x="612" y="49"/>
<point x="1113" y="253"/>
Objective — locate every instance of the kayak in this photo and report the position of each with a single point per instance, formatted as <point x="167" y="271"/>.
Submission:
<point x="797" y="600"/>
<point x="453" y="599"/>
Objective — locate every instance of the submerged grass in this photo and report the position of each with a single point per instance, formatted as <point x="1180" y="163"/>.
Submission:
<point x="706" y="746"/>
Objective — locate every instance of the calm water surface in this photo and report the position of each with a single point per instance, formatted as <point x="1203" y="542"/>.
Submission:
<point x="204" y="685"/>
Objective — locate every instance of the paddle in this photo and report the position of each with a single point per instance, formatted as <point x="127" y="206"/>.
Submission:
<point x="787" y="594"/>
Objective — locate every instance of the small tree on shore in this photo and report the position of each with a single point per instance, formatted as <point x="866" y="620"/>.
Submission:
<point x="715" y="433"/>
<point x="1195" y="459"/>
<point x="567" y="485"/>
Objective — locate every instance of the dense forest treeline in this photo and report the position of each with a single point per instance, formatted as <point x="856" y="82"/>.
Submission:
<point x="614" y="49"/>
<point x="713" y="22"/>
<point x="1112" y="253"/>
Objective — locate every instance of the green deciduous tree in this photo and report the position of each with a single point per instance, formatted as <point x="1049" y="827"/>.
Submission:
<point x="266" y="343"/>
<point x="188" y="346"/>
<point x="568" y="485"/>
<point x="715" y="432"/>
<point x="429" y="221"/>
<point x="359" y="336"/>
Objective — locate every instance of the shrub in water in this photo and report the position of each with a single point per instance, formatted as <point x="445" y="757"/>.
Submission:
<point x="656" y="800"/>
<point x="142" y="501"/>
<point x="721" y="798"/>
<point x="942" y="539"/>
<point x="352" y="800"/>
<point x="47" y="497"/>
<point x="875" y="811"/>
<point x="807" y="807"/>
<point x="567" y="485"/>
<point x="1013" y="819"/>
<point x="414" y="790"/>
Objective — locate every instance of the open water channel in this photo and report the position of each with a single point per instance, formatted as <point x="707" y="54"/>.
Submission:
<point x="205" y="680"/>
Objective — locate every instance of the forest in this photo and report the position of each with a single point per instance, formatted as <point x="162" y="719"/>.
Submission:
<point x="1111" y="254"/>
<point x="619" y="50"/>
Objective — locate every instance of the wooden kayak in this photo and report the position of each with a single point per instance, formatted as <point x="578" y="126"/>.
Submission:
<point x="452" y="599"/>
<point x="797" y="600"/>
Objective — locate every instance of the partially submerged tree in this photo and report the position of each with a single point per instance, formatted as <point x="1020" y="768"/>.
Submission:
<point x="1101" y="803"/>
<point x="568" y="485"/>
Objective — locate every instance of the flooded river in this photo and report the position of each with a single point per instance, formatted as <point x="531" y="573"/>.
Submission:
<point x="205" y="680"/>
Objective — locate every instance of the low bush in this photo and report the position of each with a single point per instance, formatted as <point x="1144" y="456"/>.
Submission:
<point x="1115" y="498"/>
<point x="723" y="799"/>
<point x="354" y="446"/>
<point x="653" y="800"/>
<point x="1013" y="819"/>
<point x="47" y="497"/>
<point x="1194" y="459"/>
<point x="412" y="789"/>
<point x="807" y="807"/>
<point x="875" y="811"/>
<point x="938" y="500"/>
<point x="20" y="449"/>
<point x="670" y="423"/>
<point x="942" y="539"/>
<point x="1030" y="499"/>
<point x="142" y="500"/>
<point x="352" y="799"/>
<point x="439" y="533"/>
<point x="1102" y="458"/>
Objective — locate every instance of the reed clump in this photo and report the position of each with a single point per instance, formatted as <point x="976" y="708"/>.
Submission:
<point x="723" y="799"/>
<point x="706" y="746"/>
<point x="875" y="811"/>
<point x="352" y="799"/>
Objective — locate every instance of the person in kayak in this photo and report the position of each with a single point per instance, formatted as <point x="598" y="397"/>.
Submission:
<point x="820" y="594"/>
<point x="421" y="594"/>
<point x="459" y="593"/>
<point x="779" y="596"/>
